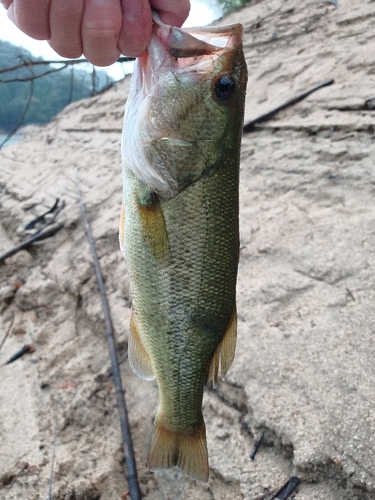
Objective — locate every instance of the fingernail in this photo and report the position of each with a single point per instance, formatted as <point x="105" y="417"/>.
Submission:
<point x="11" y="14"/>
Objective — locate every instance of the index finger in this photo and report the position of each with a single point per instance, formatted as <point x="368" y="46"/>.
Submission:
<point x="31" y="17"/>
<point x="172" y="12"/>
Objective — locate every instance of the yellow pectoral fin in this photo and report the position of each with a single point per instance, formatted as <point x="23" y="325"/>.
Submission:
<point x="122" y="228"/>
<point x="224" y="354"/>
<point x="139" y="359"/>
<point x="153" y="226"/>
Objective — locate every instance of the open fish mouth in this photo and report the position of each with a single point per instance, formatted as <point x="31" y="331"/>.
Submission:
<point x="189" y="51"/>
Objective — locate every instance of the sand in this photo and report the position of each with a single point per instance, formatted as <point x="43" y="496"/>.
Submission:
<point x="304" y="368"/>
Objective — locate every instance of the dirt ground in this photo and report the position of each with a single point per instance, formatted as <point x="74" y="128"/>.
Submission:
<point x="304" y="368"/>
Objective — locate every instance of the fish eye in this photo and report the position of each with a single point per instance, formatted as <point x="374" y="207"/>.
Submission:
<point x="224" y="88"/>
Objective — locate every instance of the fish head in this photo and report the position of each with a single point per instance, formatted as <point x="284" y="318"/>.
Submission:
<point x="185" y="108"/>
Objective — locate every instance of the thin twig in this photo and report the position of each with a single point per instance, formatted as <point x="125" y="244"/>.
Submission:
<point x="34" y="77"/>
<point x="26" y="109"/>
<point x="8" y="331"/>
<point x="287" y="489"/>
<point x="71" y="88"/>
<point x="28" y="348"/>
<point x="38" y="236"/>
<point x="65" y="62"/>
<point x="53" y="454"/>
<point x="93" y="81"/>
<point x="49" y="229"/>
<point x="135" y="493"/>
<point x="257" y="446"/>
<point x="42" y="218"/>
<point x="249" y="126"/>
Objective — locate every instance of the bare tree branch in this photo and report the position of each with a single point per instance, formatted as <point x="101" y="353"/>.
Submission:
<point x="34" y="76"/>
<point x="49" y="228"/>
<point x="26" y="109"/>
<point x="249" y="126"/>
<point x="93" y="81"/>
<point x="8" y="331"/>
<point x="65" y="62"/>
<point x="70" y="98"/>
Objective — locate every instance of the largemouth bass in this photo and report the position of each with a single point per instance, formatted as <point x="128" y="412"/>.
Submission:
<point x="179" y="225"/>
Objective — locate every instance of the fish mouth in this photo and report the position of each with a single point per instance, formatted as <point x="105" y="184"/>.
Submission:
<point x="183" y="43"/>
<point x="185" y="50"/>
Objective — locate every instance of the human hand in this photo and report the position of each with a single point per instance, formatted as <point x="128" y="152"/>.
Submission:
<point x="99" y="29"/>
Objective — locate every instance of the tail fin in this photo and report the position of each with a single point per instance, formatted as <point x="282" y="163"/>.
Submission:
<point x="188" y="451"/>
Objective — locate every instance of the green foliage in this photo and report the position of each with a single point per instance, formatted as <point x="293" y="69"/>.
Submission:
<point x="230" y="5"/>
<point x="51" y="92"/>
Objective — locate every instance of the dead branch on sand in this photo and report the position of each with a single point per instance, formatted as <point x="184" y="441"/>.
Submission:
<point x="282" y="493"/>
<point x="249" y="126"/>
<point x="48" y="229"/>
<point x="132" y="476"/>
<point x="8" y="331"/>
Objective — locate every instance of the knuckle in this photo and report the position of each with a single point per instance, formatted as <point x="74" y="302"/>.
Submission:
<point x="109" y="32"/>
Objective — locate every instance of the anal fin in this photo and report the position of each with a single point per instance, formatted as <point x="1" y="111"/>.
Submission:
<point x="139" y="359"/>
<point x="186" y="450"/>
<point x="224" y="354"/>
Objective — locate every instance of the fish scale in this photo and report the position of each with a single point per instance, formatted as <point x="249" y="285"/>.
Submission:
<point x="179" y="230"/>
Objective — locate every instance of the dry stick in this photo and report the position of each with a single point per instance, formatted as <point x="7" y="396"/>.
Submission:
<point x="288" y="488"/>
<point x="8" y="331"/>
<point x="48" y="230"/>
<point x="135" y="493"/>
<point x="65" y="62"/>
<point x="282" y="493"/>
<point x="34" y="77"/>
<point x="38" y="236"/>
<point x="249" y="126"/>
<point x="42" y="218"/>
<point x="257" y="446"/>
<point x="24" y="350"/>
<point x="26" y="109"/>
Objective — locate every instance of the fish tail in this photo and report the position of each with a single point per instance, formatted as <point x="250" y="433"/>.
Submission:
<point x="186" y="450"/>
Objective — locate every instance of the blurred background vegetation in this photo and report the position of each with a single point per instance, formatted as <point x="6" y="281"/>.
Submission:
<point x="50" y="93"/>
<point x="230" y="5"/>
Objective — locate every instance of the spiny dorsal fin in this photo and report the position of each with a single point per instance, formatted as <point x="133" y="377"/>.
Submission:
<point x="139" y="359"/>
<point x="225" y="351"/>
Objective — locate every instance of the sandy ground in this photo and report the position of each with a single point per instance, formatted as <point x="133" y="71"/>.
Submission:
<point x="304" y="369"/>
